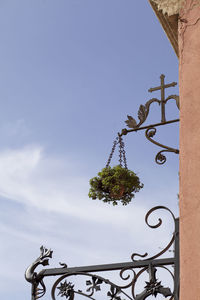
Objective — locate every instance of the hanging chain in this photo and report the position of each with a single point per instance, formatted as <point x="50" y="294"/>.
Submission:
<point x="122" y="153"/>
<point x="112" y="151"/>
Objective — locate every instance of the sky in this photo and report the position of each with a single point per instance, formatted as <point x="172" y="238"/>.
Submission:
<point x="70" y="73"/>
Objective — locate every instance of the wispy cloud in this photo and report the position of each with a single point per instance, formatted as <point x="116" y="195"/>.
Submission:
<point x="30" y="177"/>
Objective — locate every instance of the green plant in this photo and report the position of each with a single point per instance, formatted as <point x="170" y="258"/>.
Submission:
<point x="115" y="184"/>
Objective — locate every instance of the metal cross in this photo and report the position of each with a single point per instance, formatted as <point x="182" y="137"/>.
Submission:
<point x="162" y="87"/>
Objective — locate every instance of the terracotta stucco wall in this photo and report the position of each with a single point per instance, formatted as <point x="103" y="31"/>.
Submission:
<point x="189" y="53"/>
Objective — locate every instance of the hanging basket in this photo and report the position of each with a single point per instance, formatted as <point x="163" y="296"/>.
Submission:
<point x="116" y="184"/>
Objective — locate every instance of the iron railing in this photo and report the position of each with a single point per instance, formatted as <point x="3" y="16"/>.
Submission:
<point x="85" y="281"/>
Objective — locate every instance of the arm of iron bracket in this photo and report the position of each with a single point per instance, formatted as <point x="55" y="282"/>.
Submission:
<point x="150" y="130"/>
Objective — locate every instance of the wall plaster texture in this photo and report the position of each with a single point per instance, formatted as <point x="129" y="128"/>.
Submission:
<point x="189" y="84"/>
<point x="169" y="7"/>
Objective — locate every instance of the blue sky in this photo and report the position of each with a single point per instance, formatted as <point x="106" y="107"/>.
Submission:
<point x="70" y="72"/>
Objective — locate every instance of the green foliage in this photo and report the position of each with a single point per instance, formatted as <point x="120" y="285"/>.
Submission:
<point x="115" y="184"/>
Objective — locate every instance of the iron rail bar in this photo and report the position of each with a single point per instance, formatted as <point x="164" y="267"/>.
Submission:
<point x="150" y="264"/>
<point x="107" y="267"/>
<point x="125" y="131"/>
<point x="177" y="263"/>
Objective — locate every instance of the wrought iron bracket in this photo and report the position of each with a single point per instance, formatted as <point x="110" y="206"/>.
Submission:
<point x="69" y="283"/>
<point x="150" y="130"/>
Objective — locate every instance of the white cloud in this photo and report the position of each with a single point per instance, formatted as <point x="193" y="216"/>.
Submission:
<point x="45" y="184"/>
<point x="58" y="208"/>
<point x="30" y="177"/>
<point x="54" y="194"/>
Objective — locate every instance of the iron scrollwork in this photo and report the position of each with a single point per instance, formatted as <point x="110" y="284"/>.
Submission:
<point x="153" y="286"/>
<point x="150" y="130"/>
<point x="38" y="286"/>
<point x="85" y="282"/>
<point x="160" y="157"/>
<point x="93" y="285"/>
<point x="154" y="227"/>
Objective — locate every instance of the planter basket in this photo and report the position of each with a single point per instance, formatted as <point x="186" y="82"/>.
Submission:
<point x="116" y="184"/>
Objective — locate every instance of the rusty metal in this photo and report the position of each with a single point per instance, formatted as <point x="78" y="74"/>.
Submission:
<point x="143" y="113"/>
<point x="72" y="283"/>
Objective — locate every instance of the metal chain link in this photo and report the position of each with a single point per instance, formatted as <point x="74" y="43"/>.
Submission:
<point x="122" y="153"/>
<point x="112" y="151"/>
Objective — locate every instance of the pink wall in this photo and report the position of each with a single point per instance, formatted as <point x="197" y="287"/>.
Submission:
<point x="189" y="52"/>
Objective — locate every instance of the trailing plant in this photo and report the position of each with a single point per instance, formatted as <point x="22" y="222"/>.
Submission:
<point x="116" y="184"/>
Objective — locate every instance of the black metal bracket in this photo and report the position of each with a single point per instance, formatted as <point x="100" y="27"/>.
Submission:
<point x="84" y="281"/>
<point x="150" y="130"/>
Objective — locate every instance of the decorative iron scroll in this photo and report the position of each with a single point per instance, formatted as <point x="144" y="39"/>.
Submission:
<point x="143" y="113"/>
<point x="73" y="283"/>
<point x="156" y="226"/>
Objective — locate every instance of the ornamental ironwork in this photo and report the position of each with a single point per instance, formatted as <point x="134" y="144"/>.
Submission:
<point x="150" y="130"/>
<point x="90" y="281"/>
